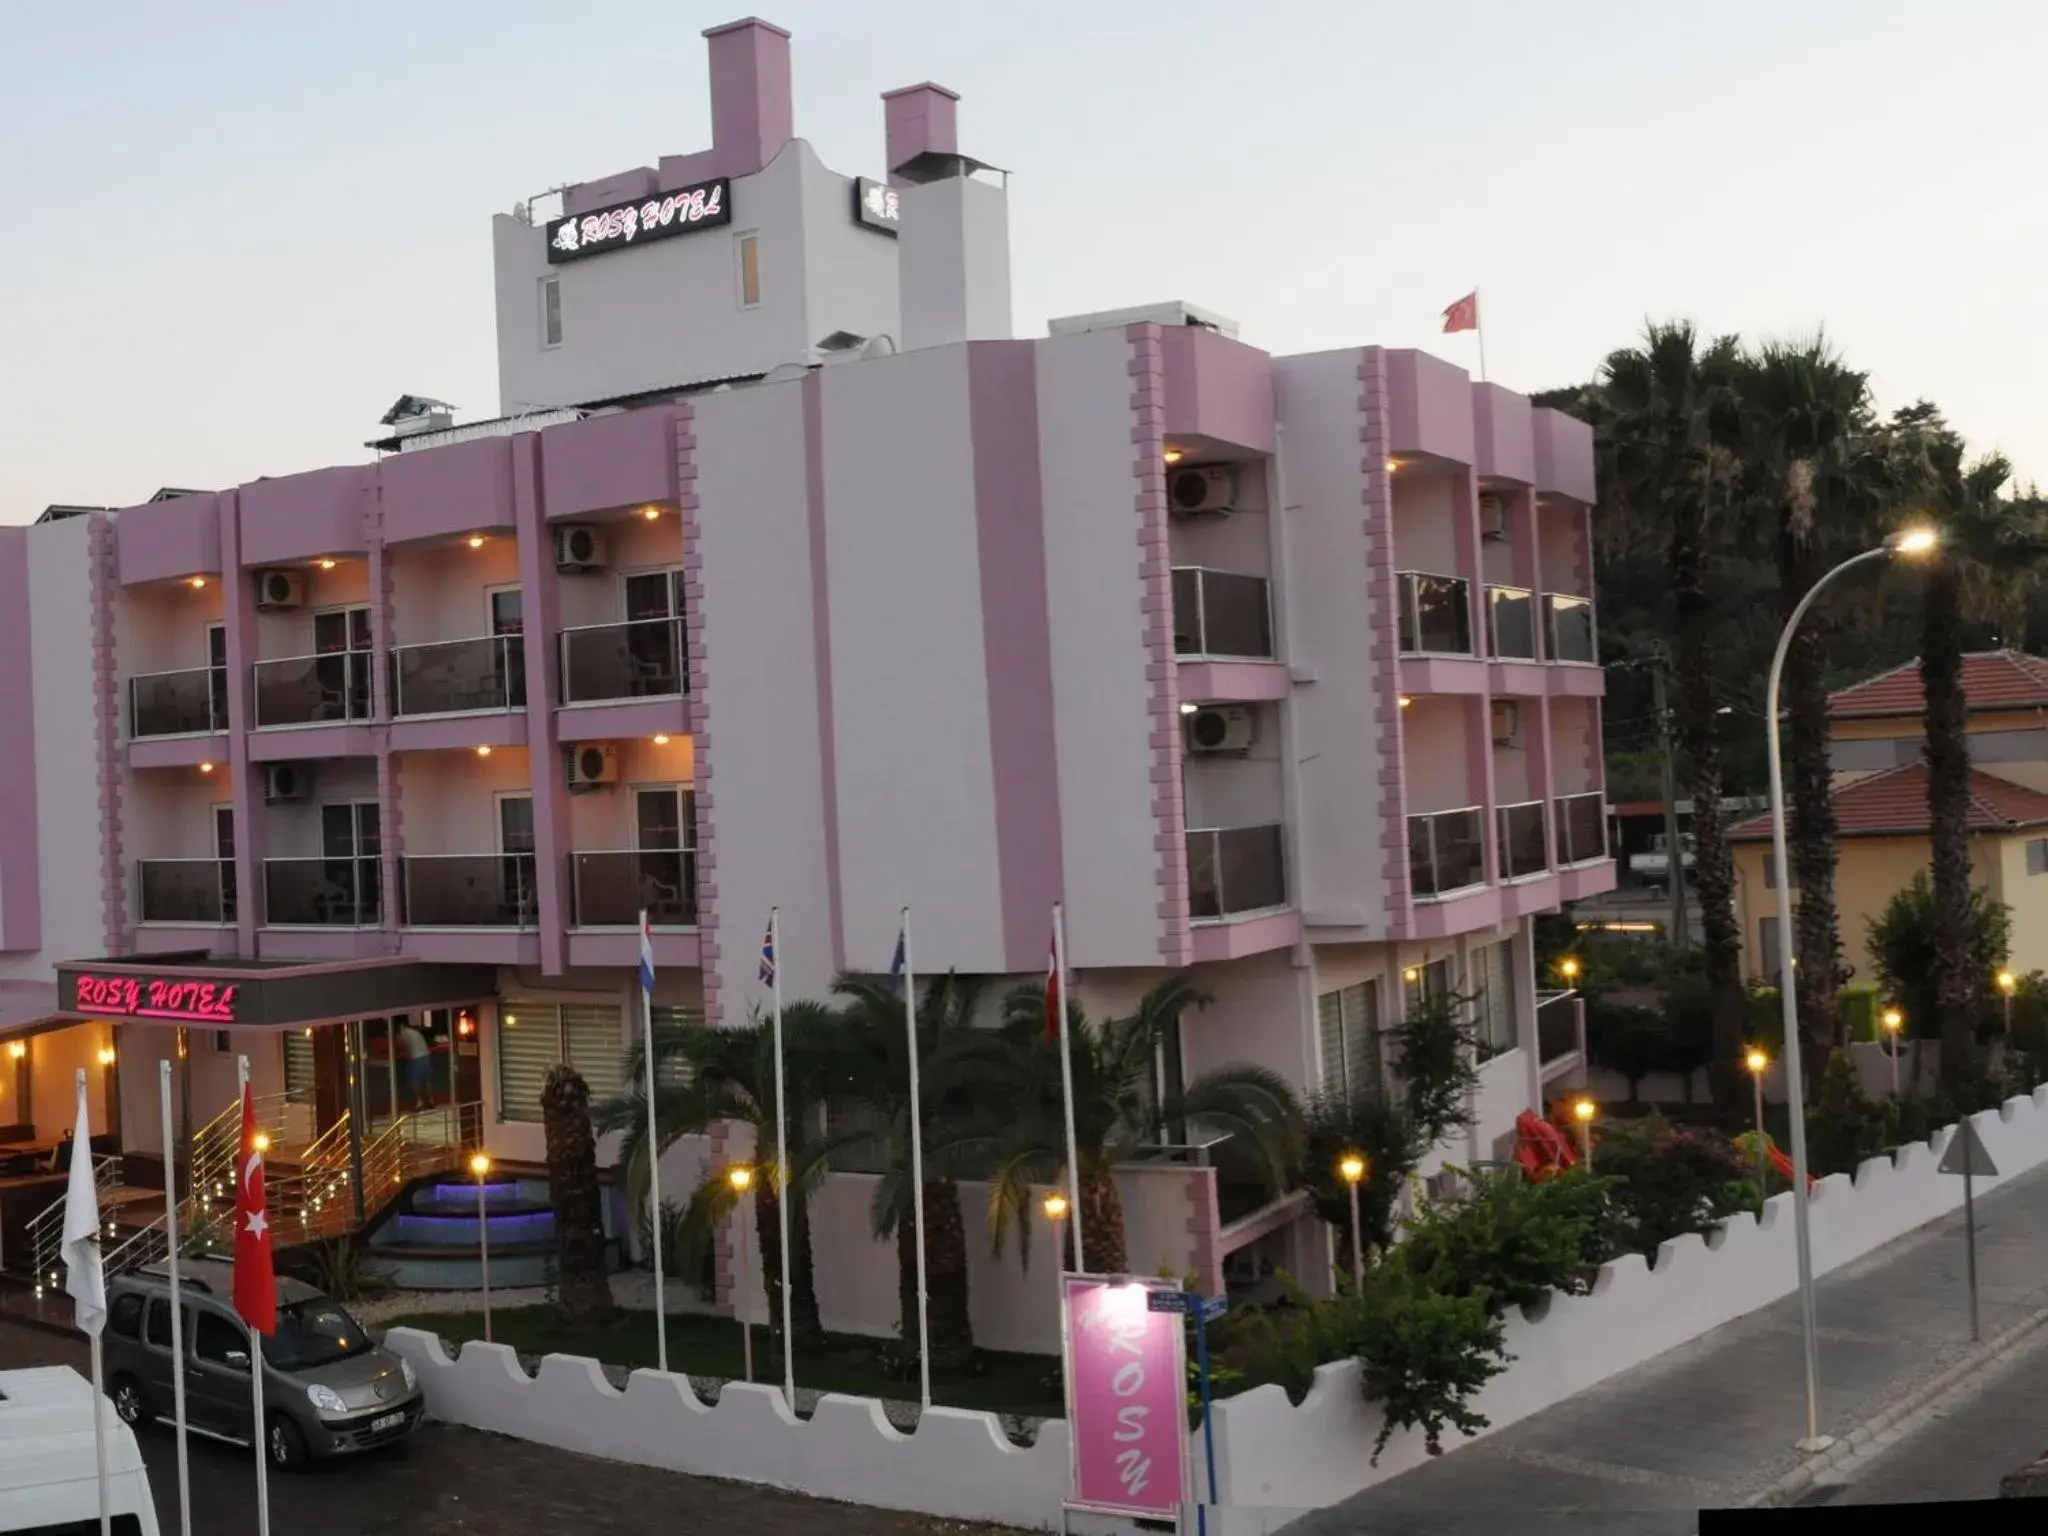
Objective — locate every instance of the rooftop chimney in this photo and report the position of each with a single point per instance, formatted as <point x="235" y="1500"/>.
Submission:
<point x="920" y="119"/>
<point x="953" y="252"/>
<point x="751" y="118"/>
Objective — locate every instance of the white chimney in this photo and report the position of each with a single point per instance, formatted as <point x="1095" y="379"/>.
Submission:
<point x="953" y="249"/>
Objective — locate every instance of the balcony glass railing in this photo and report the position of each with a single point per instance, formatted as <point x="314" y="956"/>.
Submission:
<point x="1581" y="827"/>
<point x="313" y="690"/>
<point x="637" y="659"/>
<point x="1557" y="1026"/>
<point x="1436" y="614"/>
<point x="1522" y="851"/>
<point x="1511" y="623"/>
<point x="323" y="893"/>
<point x="1221" y="614"/>
<point x="189" y="703"/>
<point x="610" y="888"/>
<point x="458" y="677"/>
<point x="198" y="891"/>
<point x="1570" y="623"/>
<point x="1445" y="853"/>
<point x="1233" y="870"/>
<point x="468" y="890"/>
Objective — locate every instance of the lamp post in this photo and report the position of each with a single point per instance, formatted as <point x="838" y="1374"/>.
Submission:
<point x="1911" y="543"/>
<point x="1583" y="1111"/>
<point x="741" y="1177"/>
<point x="1569" y="969"/>
<point x="1757" y="1062"/>
<point x="1351" y="1166"/>
<point x="480" y="1165"/>
<point x="2007" y="984"/>
<point x="1055" y="1208"/>
<point x="1894" y="1020"/>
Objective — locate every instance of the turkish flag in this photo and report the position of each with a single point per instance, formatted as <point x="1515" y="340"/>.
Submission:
<point x="255" y="1279"/>
<point x="1054" y="1003"/>
<point x="1463" y="315"/>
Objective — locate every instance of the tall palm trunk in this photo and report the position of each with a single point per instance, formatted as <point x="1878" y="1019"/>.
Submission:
<point x="1816" y="943"/>
<point x="1102" y="1225"/>
<point x="1948" y="805"/>
<point x="945" y="1258"/>
<point x="1699" y="741"/>
<point x="583" y="1291"/>
<point x="803" y="1298"/>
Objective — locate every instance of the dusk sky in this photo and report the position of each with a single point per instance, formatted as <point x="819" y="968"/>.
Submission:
<point x="242" y="230"/>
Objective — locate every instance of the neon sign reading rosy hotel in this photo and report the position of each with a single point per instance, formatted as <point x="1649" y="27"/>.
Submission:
<point x="705" y="206"/>
<point x="199" y="1002"/>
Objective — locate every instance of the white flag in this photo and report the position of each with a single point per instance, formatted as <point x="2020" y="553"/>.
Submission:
<point x="84" y="1279"/>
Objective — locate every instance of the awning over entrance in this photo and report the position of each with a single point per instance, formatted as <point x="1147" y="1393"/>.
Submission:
<point x="230" y="992"/>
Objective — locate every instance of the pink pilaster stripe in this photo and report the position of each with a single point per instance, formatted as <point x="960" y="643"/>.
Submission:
<point x="108" y="731"/>
<point x="21" y="914"/>
<point x="699" y="711"/>
<point x="1205" y="1230"/>
<point x="1375" y="435"/>
<point x="390" y="809"/>
<point x="1155" y="571"/>
<point x="821" y="632"/>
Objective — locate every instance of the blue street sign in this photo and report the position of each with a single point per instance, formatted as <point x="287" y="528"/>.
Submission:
<point x="1214" y="1307"/>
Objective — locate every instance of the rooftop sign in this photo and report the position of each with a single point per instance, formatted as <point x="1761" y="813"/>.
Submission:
<point x="704" y="206"/>
<point x="877" y="205"/>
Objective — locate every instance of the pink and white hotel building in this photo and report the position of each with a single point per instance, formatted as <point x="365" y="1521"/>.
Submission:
<point x="790" y="577"/>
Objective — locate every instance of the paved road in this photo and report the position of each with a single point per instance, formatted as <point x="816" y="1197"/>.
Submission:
<point x="1714" y="1421"/>
<point x="451" y="1482"/>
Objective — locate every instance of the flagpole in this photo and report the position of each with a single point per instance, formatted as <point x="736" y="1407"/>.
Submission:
<point x="653" y="1152"/>
<point x="924" y="1351"/>
<point x="177" y="1310"/>
<point x="1059" y="948"/>
<point x="783" y="1192"/>
<point x="81" y="1146"/>
<point x="256" y="1353"/>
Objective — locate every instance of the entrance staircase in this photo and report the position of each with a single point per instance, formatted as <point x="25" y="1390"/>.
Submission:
<point x="431" y="1239"/>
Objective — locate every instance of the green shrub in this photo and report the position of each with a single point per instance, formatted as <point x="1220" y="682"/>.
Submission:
<point x="1381" y="1130"/>
<point x="1902" y="946"/>
<point x="1425" y="1354"/>
<point x="1512" y="1240"/>
<point x="1669" y="1180"/>
<point x="1845" y="1125"/>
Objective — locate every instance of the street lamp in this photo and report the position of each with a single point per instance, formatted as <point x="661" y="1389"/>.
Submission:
<point x="2007" y="984"/>
<point x="1055" y="1207"/>
<point x="1894" y="1020"/>
<point x="1569" y="968"/>
<point x="1911" y="543"/>
<point x="1758" y="1062"/>
<point x="1583" y="1111"/>
<point x="480" y="1165"/>
<point x="1351" y="1166"/>
<point x="741" y="1177"/>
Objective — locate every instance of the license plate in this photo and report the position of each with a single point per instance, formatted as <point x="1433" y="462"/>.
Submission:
<point x="389" y="1421"/>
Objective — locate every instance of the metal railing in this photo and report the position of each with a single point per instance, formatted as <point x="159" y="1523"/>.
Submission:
<point x="44" y="1231"/>
<point x="1436" y="614"/>
<point x="328" y="689"/>
<point x="610" y="888"/>
<point x="1568" y="624"/>
<point x="1581" y="827"/>
<point x="1445" y="852"/>
<point x="634" y="659"/>
<point x="1221" y="614"/>
<point x="1511" y="623"/>
<point x="1557" y="1026"/>
<point x="1522" y="842"/>
<point x="455" y="677"/>
<point x="200" y="891"/>
<point x="467" y="890"/>
<point x="191" y="702"/>
<point x="341" y="892"/>
<point x="1232" y="870"/>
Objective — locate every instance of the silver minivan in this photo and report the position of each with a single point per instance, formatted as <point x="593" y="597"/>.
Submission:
<point x="328" y="1390"/>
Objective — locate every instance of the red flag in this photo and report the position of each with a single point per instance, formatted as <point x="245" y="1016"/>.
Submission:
<point x="255" y="1279"/>
<point x="1463" y="315"/>
<point x="1054" y="1004"/>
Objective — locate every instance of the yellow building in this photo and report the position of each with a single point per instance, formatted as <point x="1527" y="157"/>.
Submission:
<point x="1881" y="808"/>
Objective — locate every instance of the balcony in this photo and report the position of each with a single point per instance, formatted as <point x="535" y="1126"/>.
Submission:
<point x="1445" y="854"/>
<point x="1520" y="830"/>
<point x="636" y="659"/>
<point x="1234" y="870"/>
<point x="467" y="890"/>
<point x="1436" y="614"/>
<point x="1221" y="615"/>
<point x="1581" y="827"/>
<point x="1511" y="623"/>
<point x="1568" y="623"/>
<point x="1557" y="1027"/>
<point x="459" y="677"/>
<point x="193" y="702"/>
<point x="610" y="888"/>
<point x="313" y="690"/>
<point x="323" y="893"/>
<point x="196" y="892"/>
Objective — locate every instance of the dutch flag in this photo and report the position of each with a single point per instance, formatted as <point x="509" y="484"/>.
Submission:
<point x="646" y="954"/>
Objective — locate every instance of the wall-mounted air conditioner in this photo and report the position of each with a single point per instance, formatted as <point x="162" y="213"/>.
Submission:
<point x="280" y="591"/>
<point x="1493" y="516"/>
<point x="1202" y="490"/>
<point x="590" y="764"/>
<point x="1507" y="723"/>
<point x="1220" y="728"/>
<point x="578" y="548"/>
<point x="284" y="783"/>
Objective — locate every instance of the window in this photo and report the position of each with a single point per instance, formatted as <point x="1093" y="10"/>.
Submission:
<point x="159" y="1332"/>
<point x="2037" y="855"/>
<point x="1349" y="1022"/>
<point x="1493" y="1000"/>
<point x="125" y="1315"/>
<point x="216" y="1338"/>
<point x="1771" y="867"/>
<point x="1767" y="942"/>
<point x="533" y="1037"/>
<point x="749" y="247"/>
<point x="1424" y="984"/>
<point x="551" y="312"/>
<point x="673" y="1073"/>
<point x="299" y="1066"/>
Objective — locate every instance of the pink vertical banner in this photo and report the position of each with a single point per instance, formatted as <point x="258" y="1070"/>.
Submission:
<point x="1127" y="1416"/>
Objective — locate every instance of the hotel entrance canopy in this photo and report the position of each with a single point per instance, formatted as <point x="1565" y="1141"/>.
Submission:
<point x="211" y="991"/>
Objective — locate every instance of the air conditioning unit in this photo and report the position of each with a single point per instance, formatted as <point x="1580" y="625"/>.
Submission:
<point x="578" y="548"/>
<point x="284" y="783"/>
<point x="1207" y="490"/>
<point x="1493" y="516"/>
<point x="280" y="591"/>
<point x="1220" y="728"/>
<point x="1507" y="723"/>
<point x="591" y="763"/>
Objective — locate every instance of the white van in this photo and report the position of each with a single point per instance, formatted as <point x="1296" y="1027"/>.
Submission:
<point x="49" y="1482"/>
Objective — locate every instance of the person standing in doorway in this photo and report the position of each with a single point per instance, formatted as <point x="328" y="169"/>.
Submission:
<point x="419" y="1063"/>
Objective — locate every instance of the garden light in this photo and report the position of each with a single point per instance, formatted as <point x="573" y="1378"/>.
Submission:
<point x="1352" y="1167"/>
<point x="1055" y="1206"/>
<point x="1756" y="1061"/>
<point x="740" y="1176"/>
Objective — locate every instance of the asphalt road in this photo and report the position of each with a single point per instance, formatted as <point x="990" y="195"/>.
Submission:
<point x="448" y="1480"/>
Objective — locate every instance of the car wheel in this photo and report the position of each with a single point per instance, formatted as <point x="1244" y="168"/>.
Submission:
<point x="286" y="1445"/>
<point x="130" y="1403"/>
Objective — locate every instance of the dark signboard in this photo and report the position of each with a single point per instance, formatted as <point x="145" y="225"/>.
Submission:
<point x="181" y="999"/>
<point x="223" y="991"/>
<point x="877" y="205"/>
<point x="704" y="206"/>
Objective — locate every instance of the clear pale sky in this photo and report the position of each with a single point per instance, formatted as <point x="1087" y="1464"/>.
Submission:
<point x="241" y="230"/>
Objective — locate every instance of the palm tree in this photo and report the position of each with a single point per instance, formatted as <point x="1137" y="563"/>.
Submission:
<point x="1666" y="416"/>
<point x="583" y="1292"/>
<point x="704" y="1076"/>
<point x="1117" y="1111"/>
